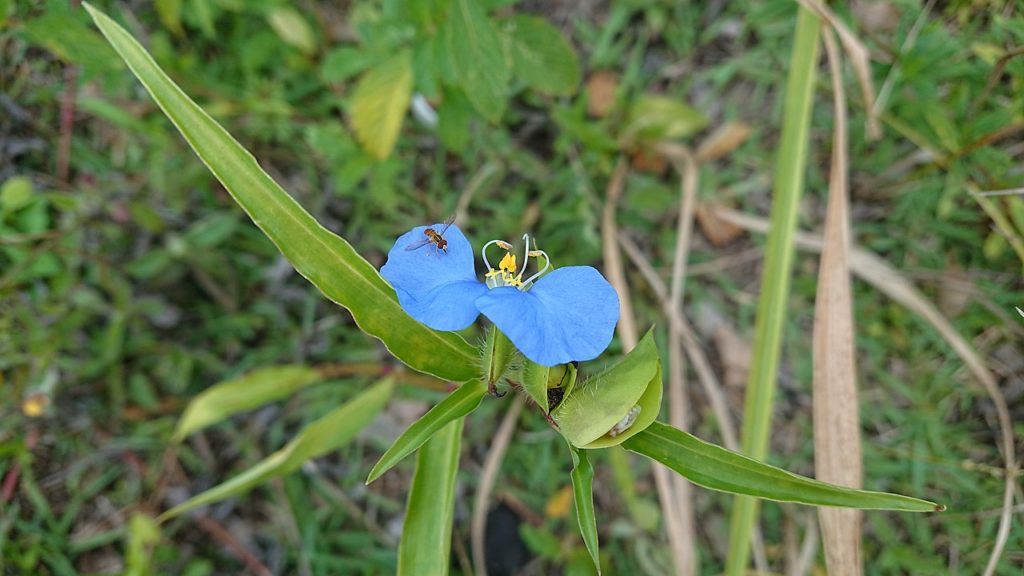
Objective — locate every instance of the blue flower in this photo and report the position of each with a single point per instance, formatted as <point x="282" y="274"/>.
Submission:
<point x="565" y="315"/>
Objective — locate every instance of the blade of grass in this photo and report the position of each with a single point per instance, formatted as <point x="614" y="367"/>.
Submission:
<point x="771" y="309"/>
<point x="222" y="400"/>
<point x="328" y="433"/>
<point x="685" y="165"/>
<point x="837" y="452"/>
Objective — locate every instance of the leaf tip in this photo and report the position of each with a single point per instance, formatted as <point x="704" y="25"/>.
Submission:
<point x="940" y="507"/>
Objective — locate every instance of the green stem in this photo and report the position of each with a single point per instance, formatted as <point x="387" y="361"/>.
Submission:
<point x="771" y="307"/>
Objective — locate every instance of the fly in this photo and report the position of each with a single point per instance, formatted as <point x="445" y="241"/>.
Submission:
<point x="434" y="237"/>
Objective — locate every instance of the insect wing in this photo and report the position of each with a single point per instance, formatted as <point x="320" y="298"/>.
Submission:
<point x="419" y="244"/>
<point x="447" y="224"/>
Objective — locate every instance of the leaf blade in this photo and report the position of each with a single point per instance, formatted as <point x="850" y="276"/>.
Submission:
<point x="541" y="56"/>
<point x="478" y="58"/>
<point x="222" y="400"/>
<point x="458" y="404"/>
<point x="328" y="433"/>
<point x="322" y="257"/>
<point x="424" y="547"/>
<point x="718" y="468"/>
<point x="582" y="477"/>
<point x="379" y="103"/>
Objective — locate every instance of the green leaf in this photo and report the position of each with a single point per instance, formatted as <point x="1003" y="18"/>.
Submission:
<point x="427" y="531"/>
<point x="582" y="476"/>
<point x="653" y="118"/>
<point x="169" y="12"/>
<point x="326" y="434"/>
<point x="454" y="116"/>
<point x="462" y="401"/>
<point x="717" y="468"/>
<point x="65" y="34"/>
<point x="541" y="56"/>
<point x="535" y="383"/>
<point x="345" y="62"/>
<point x="325" y="259"/>
<point x="292" y="28"/>
<point x="15" y="194"/>
<point x="542" y="541"/>
<point x="379" y="104"/>
<point x="478" y="58"/>
<point x="142" y="537"/>
<point x="202" y="16"/>
<point x="595" y="406"/>
<point x="220" y="401"/>
<point x="772" y="303"/>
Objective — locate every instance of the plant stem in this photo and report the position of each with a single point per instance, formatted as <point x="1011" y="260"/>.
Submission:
<point x="771" y="309"/>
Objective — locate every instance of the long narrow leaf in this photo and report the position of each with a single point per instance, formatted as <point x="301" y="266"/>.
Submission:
<point x="462" y="401"/>
<point x="324" y="258"/>
<point x="427" y="532"/>
<point x="582" y="476"/>
<point x="771" y="306"/>
<point x="220" y="401"/>
<point x="837" y="452"/>
<point x="718" y="468"/>
<point x="325" y="435"/>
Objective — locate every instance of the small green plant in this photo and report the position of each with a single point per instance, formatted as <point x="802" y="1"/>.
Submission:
<point x="428" y="290"/>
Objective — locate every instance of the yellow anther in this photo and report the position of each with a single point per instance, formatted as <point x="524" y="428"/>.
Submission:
<point x="508" y="263"/>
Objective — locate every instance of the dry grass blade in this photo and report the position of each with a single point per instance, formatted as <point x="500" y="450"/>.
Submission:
<point x="701" y="365"/>
<point x="488" y="474"/>
<point x="627" y="329"/>
<point x="722" y="141"/>
<point x="837" y="451"/>
<point x="684" y="163"/>
<point x="890" y="282"/>
<point x="629" y="336"/>
<point x="860" y="59"/>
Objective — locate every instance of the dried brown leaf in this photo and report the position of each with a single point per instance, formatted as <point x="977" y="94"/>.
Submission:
<point x="837" y="451"/>
<point x="722" y="141"/>
<point x="718" y="231"/>
<point x="601" y="89"/>
<point x="860" y="59"/>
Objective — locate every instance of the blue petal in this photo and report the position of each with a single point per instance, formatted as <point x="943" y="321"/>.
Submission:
<point x="570" y="314"/>
<point x="435" y="287"/>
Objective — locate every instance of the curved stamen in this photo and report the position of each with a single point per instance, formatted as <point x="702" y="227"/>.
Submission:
<point x="526" y="256"/>
<point x="547" y="265"/>
<point x="483" y="251"/>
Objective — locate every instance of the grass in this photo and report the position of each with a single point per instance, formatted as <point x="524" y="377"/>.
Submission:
<point x="134" y="283"/>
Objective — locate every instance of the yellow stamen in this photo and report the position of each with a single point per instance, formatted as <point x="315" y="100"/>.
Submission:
<point x="508" y="263"/>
